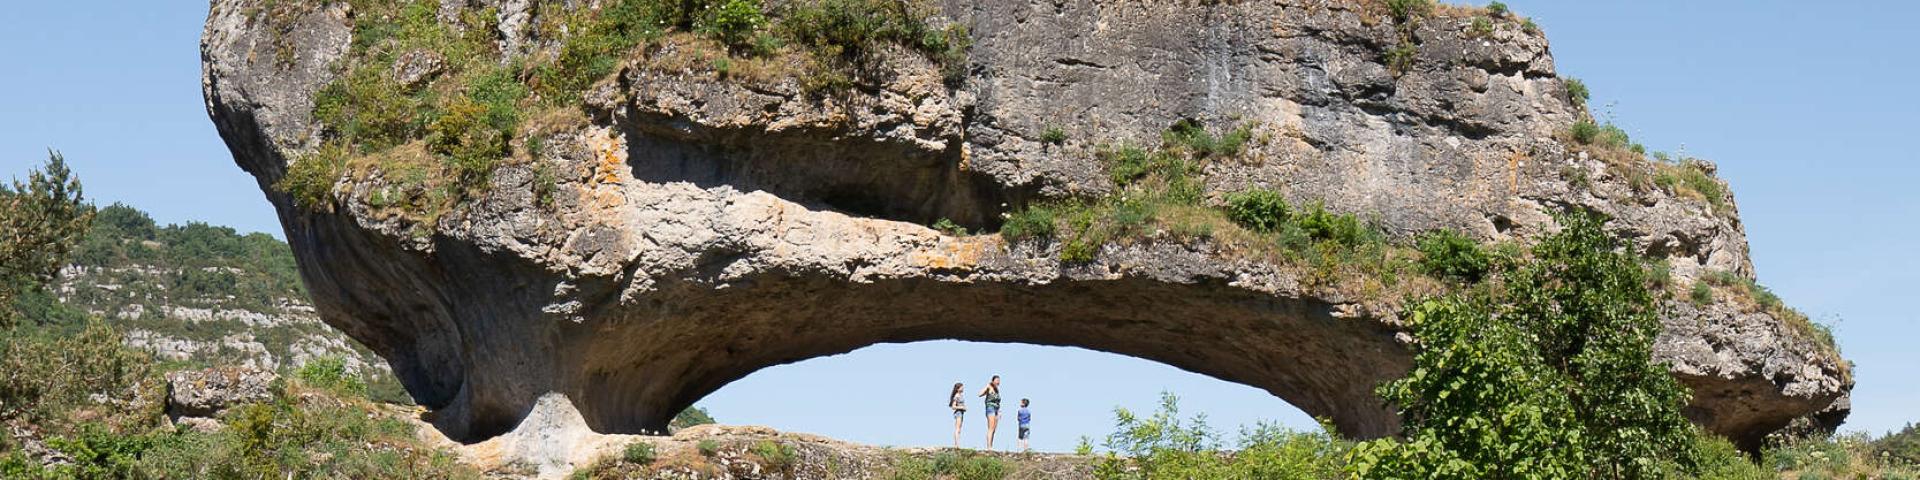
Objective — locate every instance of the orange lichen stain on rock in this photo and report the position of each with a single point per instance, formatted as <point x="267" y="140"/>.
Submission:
<point x="957" y="254"/>
<point x="609" y="172"/>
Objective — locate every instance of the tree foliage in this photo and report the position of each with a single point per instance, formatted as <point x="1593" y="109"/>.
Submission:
<point x="41" y="220"/>
<point x="1548" y="375"/>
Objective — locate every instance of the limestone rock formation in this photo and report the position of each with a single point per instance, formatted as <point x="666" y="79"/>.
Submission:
<point x="688" y="227"/>
<point x="203" y="394"/>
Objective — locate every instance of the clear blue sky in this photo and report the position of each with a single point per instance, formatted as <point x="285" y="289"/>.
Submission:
<point x="1808" y="108"/>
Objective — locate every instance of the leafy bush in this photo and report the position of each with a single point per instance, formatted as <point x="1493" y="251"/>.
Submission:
<point x="1260" y="210"/>
<point x="849" y="30"/>
<point x="638" y="453"/>
<point x="1404" y="10"/>
<point x="1322" y="225"/>
<point x="1032" y="222"/>
<point x="1608" y="136"/>
<point x="776" y="456"/>
<point x="1551" y="378"/>
<point x="735" y="23"/>
<point x="1190" y="136"/>
<point x="708" y="447"/>
<point x="1481" y="27"/>
<point x="330" y="373"/>
<point x="1054" y="135"/>
<point x="1497" y="9"/>
<point x="1448" y="254"/>
<point x="1577" y="91"/>
<point x="1701" y="293"/>
<point x="1400" y="57"/>
<point x="1165" y="445"/>
<point x="947" y="226"/>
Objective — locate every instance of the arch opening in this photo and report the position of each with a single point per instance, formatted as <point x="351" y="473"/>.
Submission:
<point x="638" y="374"/>
<point x="893" y="394"/>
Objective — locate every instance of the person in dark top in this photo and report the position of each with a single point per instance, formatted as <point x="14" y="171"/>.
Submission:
<point x="959" y="405"/>
<point x="992" y="394"/>
<point x="1026" y="421"/>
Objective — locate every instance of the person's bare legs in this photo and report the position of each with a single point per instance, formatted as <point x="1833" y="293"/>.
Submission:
<point x="993" y="423"/>
<point x="957" y="419"/>
<point x="1023" y="444"/>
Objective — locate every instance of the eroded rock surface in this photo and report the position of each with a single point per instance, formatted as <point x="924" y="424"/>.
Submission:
<point x="701" y="227"/>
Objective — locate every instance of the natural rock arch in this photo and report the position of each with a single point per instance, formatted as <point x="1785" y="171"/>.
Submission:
<point x="683" y="229"/>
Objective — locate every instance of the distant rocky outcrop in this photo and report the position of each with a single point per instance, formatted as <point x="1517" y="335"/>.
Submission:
<point x="686" y="226"/>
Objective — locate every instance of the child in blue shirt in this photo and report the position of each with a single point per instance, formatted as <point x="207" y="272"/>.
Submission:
<point x="1026" y="418"/>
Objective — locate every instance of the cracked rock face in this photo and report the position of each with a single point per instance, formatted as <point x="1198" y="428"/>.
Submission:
<point x="701" y="228"/>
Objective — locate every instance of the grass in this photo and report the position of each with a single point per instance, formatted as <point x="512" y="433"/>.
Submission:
<point x="1745" y="291"/>
<point x="1689" y="178"/>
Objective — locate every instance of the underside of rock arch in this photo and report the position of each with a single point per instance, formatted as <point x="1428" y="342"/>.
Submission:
<point x="684" y="229"/>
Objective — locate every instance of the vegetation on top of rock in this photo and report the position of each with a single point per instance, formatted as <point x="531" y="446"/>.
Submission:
<point x="1160" y="196"/>
<point x="1448" y="254"/>
<point x="434" y="107"/>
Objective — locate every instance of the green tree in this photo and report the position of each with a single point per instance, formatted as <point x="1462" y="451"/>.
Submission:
<point x="41" y="222"/>
<point x="1550" y="377"/>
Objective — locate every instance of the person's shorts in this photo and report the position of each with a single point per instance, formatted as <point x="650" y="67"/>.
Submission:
<point x="959" y="414"/>
<point x="1023" y="433"/>
<point x="992" y="410"/>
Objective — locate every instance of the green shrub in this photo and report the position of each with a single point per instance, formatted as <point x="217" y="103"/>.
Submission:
<point x="1085" y="236"/>
<point x="1166" y="445"/>
<point x="1054" y="135"/>
<point x="1035" y="221"/>
<point x="1400" y="57"/>
<point x="1530" y="27"/>
<point x="1550" y="377"/>
<point x="1127" y="164"/>
<point x="1448" y="254"/>
<point x="735" y="23"/>
<point x="776" y="456"/>
<point x="1577" y="91"/>
<point x="1259" y="209"/>
<point x="330" y="373"/>
<point x="1701" y="293"/>
<point x="1322" y="225"/>
<point x="1404" y="10"/>
<point x="638" y="453"/>
<point x="1191" y="137"/>
<point x="1480" y="27"/>
<point x="708" y="447"/>
<point x="947" y="226"/>
<point x="1497" y="9"/>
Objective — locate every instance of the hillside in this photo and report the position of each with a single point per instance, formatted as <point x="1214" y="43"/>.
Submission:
<point x="198" y="295"/>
